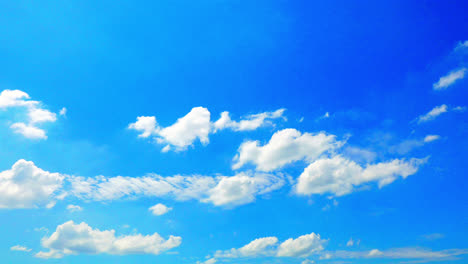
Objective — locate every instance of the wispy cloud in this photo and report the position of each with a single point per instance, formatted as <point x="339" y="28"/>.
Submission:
<point x="449" y="79"/>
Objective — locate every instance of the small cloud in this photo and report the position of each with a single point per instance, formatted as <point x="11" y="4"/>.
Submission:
<point x="435" y="112"/>
<point x="449" y="79"/>
<point x="74" y="208"/>
<point x="430" y="138"/>
<point x="374" y="253"/>
<point x="20" y="248"/>
<point x="350" y="242"/>
<point x="63" y="111"/>
<point x="159" y="209"/>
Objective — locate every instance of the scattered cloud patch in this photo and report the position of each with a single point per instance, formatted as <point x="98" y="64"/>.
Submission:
<point x="74" y="239"/>
<point x="63" y="112"/>
<point x="285" y="146"/>
<point x="226" y="191"/>
<point x="35" y="114"/>
<point x="250" y="122"/>
<point x="408" y="145"/>
<point x="74" y="208"/>
<point x="435" y="112"/>
<point x="338" y="176"/>
<point x="449" y="79"/>
<point x="159" y="209"/>
<point x="300" y="247"/>
<point x="20" y="248"/>
<point x="196" y="125"/>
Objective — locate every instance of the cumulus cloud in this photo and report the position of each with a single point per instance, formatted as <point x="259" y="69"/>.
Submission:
<point x="74" y="208"/>
<point x="228" y="191"/>
<point x="449" y="79"/>
<point x="35" y="113"/>
<point x="159" y="209"/>
<point x="250" y="122"/>
<point x="301" y="247"/>
<point x="27" y="186"/>
<point x="338" y="176"/>
<point x="196" y="125"/>
<point x="285" y="146"/>
<point x="20" y="248"/>
<point x="73" y="239"/>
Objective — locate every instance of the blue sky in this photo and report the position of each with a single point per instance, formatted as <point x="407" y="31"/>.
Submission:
<point x="233" y="132"/>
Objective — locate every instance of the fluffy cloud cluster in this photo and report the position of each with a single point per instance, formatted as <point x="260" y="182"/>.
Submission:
<point x="36" y="115"/>
<point x="285" y="146"/>
<point x="197" y="125"/>
<point x="27" y="186"/>
<point x="339" y="176"/>
<point x="301" y="247"/>
<point x="159" y="209"/>
<point x="70" y="239"/>
<point x="234" y="190"/>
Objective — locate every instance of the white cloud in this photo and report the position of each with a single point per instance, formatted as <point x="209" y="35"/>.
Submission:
<point x="14" y="98"/>
<point x="220" y="190"/>
<point x="285" y="146"/>
<point x="350" y="242"/>
<point x="251" y="122"/>
<point x="339" y="176"/>
<point x="208" y="261"/>
<point x="20" y="248"/>
<point x="145" y="124"/>
<point x="408" y="145"/>
<point x="258" y="247"/>
<point x="28" y="131"/>
<point x="72" y="239"/>
<point x="300" y="247"/>
<point x="430" y="138"/>
<point x="159" y="209"/>
<point x="35" y="113"/>
<point x="435" y="112"/>
<point x="63" y="111"/>
<point x="462" y="45"/>
<point x="242" y="188"/>
<point x="74" y="208"/>
<point x="38" y="115"/>
<point x="26" y="186"/>
<point x="449" y="79"/>
<point x="196" y="125"/>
